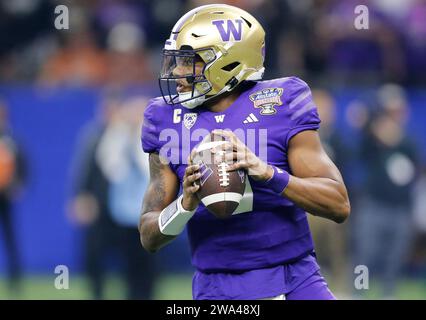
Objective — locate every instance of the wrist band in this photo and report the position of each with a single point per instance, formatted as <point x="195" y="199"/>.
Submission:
<point x="174" y="217"/>
<point x="279" y="180"/>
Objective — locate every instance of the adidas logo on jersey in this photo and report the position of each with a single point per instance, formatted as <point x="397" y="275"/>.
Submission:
<point x="251" y="118"/>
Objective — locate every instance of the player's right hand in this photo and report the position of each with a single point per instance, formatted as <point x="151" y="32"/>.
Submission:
<point x="190" y="200"/>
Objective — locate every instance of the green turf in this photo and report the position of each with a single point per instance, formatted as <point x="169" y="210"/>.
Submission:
<point x="42" y="287"/>
<point x="406" y="290"/>
<point x="174" y="287"/>
<point x="167" y="287"/>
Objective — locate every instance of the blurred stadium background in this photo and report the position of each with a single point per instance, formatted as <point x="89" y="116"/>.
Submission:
<point x="72" y="173"/>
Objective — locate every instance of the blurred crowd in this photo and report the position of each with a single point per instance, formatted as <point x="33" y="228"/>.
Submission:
<point x="119" y="41"/>
<point x="383" y="174"/>
<point x="13" y="174"/>
<point x="110" y="178"/>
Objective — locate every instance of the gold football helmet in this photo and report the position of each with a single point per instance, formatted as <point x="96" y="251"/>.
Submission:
<point x="218" y="46"/>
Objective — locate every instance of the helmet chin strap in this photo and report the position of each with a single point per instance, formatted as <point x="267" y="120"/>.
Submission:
<point x="192" y="103"/>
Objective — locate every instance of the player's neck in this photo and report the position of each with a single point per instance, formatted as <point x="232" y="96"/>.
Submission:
<point x="224" y="101"/>
<point x="220" y="104"/>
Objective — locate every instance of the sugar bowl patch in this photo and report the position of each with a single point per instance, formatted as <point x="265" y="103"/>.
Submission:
<point x="267" y="99"/>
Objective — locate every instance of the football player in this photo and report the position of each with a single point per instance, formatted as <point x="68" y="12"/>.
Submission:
<point x="211" y="80"/>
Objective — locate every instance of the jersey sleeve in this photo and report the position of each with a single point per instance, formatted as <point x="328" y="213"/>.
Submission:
<point x="150" y="130"/>
<point x="303" y="113"/>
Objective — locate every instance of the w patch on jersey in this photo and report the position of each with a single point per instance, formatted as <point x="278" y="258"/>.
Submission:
<point x="267" y="99"/>
<point x="219" y="118"/>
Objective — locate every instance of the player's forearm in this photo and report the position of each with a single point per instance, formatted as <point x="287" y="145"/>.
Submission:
<point x="322" y="197"/>
<point x="150" y="235"/>
<point x="161" y="191"/>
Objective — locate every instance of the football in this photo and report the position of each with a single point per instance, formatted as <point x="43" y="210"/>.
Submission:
<point x="220" y="191"/>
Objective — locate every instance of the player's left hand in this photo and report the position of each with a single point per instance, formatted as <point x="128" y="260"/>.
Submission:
<point x="239" y="156"/>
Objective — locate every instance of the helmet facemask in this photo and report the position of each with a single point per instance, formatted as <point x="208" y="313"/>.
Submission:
<point x="182" y="67"/>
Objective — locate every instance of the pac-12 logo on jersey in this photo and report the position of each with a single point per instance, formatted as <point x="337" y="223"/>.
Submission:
<point x="267" y="99"/>
<point x="234" y="27"/>
<point x="189" y="119"/>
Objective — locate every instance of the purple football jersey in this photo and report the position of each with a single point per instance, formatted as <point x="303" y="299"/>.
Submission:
<point x="266" y="229"/>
